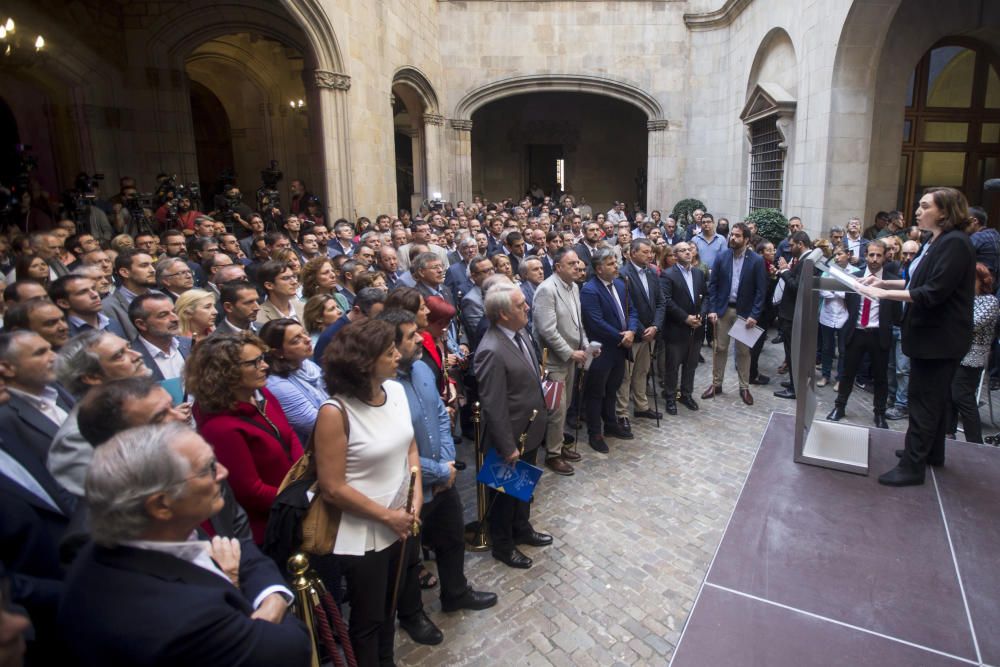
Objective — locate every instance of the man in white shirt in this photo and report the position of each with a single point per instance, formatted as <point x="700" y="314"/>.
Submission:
<point x="163" y="351"/>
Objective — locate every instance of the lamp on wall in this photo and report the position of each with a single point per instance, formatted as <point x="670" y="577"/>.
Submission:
<point x="297" y="105"/>
<point x="17" y="51"/>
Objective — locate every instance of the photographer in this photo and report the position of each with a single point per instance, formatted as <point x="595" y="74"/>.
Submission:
<point x="178" y="213"/>
<point x="229" y="208"/>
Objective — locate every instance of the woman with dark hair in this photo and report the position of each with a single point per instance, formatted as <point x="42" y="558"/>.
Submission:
<point x="937" y="327"/>
<point x="968" y="376"/>
<point x="369" y="279"/>
<point x="766" y="250"/>
<point x="318" y="277"/>
<point x="364" y="448"/>
<point x="409" y="298"/>
<point x="294" y="379"/>
<point x="242" y="420"/>
<point x="31" y="267"/>
<point x="320" y="311"/>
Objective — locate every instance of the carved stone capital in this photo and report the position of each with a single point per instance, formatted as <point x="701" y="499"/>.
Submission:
<point x="784" y="125"/>
<point x="657" y="125"/>
<point x="334" y="80"/>
<point x="433" y="119"/>
<point x="461" y="125"/>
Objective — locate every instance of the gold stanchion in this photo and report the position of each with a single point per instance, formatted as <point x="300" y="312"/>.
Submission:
<point x="306" y="598"/>
<point x="476" y="537"/>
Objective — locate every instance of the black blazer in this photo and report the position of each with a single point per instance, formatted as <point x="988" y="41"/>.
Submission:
<point x="938" y="324"/>
<point x="198" y="617"/>
<point x="184" y="347"/>
<point x="888" y="314"/>
<point x="678" y="303"/>
<point x="21" y="422"/>
<point x="649" y="305"/>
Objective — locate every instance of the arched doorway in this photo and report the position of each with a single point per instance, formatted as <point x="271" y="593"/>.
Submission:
<point x="586" y="144"/>
<point x="9" y="140"/>
<point x="951" y="127"/>
<point x="212" y="137"/>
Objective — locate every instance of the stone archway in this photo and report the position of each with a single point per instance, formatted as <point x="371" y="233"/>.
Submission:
<point x="418" y="126"/>
<point x="657" y="169"/>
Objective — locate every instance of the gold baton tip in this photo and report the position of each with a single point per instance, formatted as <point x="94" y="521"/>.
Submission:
<point x="414" y="470"/>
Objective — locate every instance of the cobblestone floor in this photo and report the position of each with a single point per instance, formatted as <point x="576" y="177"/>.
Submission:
<point x="634" y="532"/>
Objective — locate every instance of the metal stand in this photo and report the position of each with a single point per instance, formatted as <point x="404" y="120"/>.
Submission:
<point x="476" y="535"/>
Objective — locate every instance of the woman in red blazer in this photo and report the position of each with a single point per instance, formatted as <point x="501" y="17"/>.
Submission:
<point x="242" y="420"/>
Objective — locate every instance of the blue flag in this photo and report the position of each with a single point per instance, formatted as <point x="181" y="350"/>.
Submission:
<point x="516" y="480"/>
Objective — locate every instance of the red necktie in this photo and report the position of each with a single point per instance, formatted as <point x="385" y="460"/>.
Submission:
<point x="866" y="311"/>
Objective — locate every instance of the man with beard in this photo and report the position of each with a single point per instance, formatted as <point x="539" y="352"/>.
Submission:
<point x="79" y="299"/>
<point x="136" y="275"/>
<point x="163" y="351"/>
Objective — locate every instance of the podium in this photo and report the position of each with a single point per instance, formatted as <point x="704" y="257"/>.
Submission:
<point x="820" y="443"/>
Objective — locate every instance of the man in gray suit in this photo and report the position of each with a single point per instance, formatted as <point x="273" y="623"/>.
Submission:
<point x="509" y="390"/>
<point x="136" y="275"/>
<point x="558" y="327"/>
<point x="480" y="268"/>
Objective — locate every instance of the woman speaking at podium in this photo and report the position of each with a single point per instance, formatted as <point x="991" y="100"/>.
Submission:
<point x="936" y="329"/>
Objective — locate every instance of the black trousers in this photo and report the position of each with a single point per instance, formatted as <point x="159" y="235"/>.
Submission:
<point x="370" y="580"/>
<point x="964" y="405"/>
<point x="682" y="359"/>
<point x="509" y="517"/>
<point x="600" y="391"/>
<point x="785" y="327"/>
<point x="930" y="389"/>
<point x="444" y="531"/>
<point x="865" y="341"/>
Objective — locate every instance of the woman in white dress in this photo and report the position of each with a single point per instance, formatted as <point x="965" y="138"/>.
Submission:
<point x="364" y="450"/>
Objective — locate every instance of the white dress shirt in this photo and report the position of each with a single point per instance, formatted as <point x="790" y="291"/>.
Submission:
<point x="171" y="364"/>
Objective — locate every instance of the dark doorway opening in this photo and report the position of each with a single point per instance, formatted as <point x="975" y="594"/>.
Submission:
<point x="545" y="168"/>
<point x="9" y="139"/>
<point x="404" y="171"/>
<point x="213" y="139"/>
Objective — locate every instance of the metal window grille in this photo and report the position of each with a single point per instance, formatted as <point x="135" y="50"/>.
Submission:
<point x="767" y="164"/>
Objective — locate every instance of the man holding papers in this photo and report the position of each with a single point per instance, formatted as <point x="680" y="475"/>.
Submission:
<point x="790" y="274"/>
<point x="735" y="289"/>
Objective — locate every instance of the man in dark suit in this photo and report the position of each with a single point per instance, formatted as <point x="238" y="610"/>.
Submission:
<point x="457" y="278"/>
<point x="553" y="244"/>
<point x="790" y="274"/>
<point x="163" y="351"/>
<point x="868" y="329"/>
<point x="646" y="300"/>
<point x="37" y="406"/>
<point x="214" y="601"/>
<point x="507" y="374"/>
<point x="136" y="274"/>
<point x="736" y="288"/>
<point x="684" y="290"/>
<point x="586" y="248"/>
<point x="609" y="320"/>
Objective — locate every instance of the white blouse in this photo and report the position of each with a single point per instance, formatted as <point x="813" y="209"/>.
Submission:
<point x="377" y="466"/>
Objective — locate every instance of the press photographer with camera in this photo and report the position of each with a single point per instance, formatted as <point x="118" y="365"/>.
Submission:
<point x="178" y="211"/>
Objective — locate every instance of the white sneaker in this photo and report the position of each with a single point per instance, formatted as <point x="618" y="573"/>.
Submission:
<point x="822" y="382"/>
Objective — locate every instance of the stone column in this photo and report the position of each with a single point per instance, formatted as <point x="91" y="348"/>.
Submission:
<point x="660" y="181"/>
<point x="331" y="124"/>
<point x="461" y="186"/>
<point x="434" y="154"/>
<point x="419" y="169"/>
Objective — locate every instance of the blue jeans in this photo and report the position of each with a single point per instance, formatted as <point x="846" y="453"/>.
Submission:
<point x="902" y="371"/>
<point x="832" y="337"/>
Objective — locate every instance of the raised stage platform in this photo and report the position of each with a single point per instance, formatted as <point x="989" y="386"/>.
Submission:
<point x="820" y="567"/>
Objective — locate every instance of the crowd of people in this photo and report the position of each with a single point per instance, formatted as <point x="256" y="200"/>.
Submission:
<point x="162" y="372"/>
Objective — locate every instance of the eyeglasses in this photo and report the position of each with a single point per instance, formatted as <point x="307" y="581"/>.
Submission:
<point x="256" y="362"/>
<point x="210" y="470"/>
<point x="185" y="273"/>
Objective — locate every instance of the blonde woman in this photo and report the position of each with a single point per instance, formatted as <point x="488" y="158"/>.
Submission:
<point x="197" y="312"/>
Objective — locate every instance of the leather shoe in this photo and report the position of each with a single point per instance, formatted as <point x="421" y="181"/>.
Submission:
<point x="933" y="464"/>
<point x="671" y="407"/>
<point x="712" y="392"/>
<point x="616" y="431"/>
<point x="836" y="414"/>
<point x="571" y="454"/>
<point x="625" y="424"/>
<point x="598" y="444"/>
<point x="746" y="396"/>
<point x="900" y="476"/>
<point x="880" y="422"/>
<point x="761" y="379"/>
<point x="568" y="438"/>
<point x="421" y="629"/>
<point x="559" y="466"/>
<point x="513" y="558"/>
<point x="896" y="412"/>
<point x="785" y="393"/>
<point x="787" y="384"/>
<point x="534" y="539"/>
<point x="649" y="414"/>
<point x="470" y="599"/>
<point x="460" y="465"/>
<point x="688" y="402"/>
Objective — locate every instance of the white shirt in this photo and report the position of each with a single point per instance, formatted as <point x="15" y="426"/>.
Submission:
<point x="873" y="309"/>
<point x="688" y="278"/>
<point x="614" y="293"/>
<point x="46" y="403"/>
<point x="737" y="274"/>
<point x="171" y="364"/>
<point x="642" y="276"/>
<point x="195" y="551"/>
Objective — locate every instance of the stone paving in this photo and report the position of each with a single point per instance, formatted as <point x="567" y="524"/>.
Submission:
<point x="634" y="533"/>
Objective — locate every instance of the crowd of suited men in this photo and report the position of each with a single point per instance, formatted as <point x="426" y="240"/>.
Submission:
<point x="206" y="348"/>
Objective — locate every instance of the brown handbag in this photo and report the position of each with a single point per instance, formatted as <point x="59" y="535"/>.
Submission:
<point x="322" y="519"/>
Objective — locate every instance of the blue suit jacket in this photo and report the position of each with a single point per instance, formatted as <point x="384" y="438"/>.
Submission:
<point x="749" y="294"/>
<point x="601" y="320"/>
<point x="198" y="617"/>
<point x="457" y="281"/>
